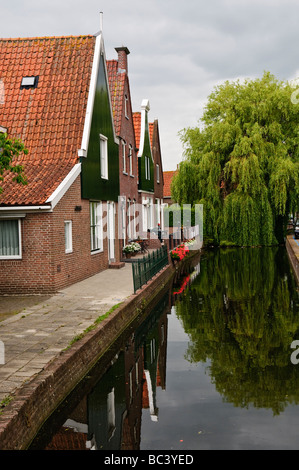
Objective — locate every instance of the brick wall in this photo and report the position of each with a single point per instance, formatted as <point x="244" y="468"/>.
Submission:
<point x="45" y="267"/>
<point x="128" y="184"/>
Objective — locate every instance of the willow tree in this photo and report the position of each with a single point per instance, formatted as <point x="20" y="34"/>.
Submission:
<point x="242" y="162"/>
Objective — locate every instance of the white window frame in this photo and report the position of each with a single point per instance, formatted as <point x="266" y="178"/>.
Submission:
<point x="104" y="156"/>
<point x="126" y="106"/>
<point x="19" y="255"/>
<point x="131" y="160"/>
<point x="134" y="219"/>
<point x="158" y="211"/>
<point x="158" y="173"/>
<point x="124" y="156"/>
<point x="96" y="228"/>
<point x="68" y="236"/>
<point x="147" y="169"/>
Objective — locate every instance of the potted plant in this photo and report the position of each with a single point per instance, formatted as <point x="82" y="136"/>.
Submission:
<point x="131" y="249"/>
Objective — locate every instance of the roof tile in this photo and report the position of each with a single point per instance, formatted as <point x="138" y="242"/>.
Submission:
<point x="49" y="119"/>
<point x="167" y="176"/>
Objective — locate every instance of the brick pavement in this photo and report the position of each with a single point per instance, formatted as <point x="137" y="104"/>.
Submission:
<point x="36" y="335"/>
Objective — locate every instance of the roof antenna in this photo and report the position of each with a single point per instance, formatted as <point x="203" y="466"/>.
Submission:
<point x="101" y="21"/>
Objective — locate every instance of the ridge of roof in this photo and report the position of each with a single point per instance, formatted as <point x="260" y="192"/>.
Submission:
<point x="31" y="38"/>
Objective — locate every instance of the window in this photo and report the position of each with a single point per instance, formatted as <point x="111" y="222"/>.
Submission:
<point x="68" y="236"/>
<point x="147" y="169"/>
<point x="124" y="156"/>
<point x="158" y="209"/>
<point x="129" y="219"/>
<point x="126" y="106"/>
<point x="29" y="82"/>
<point x="158" y="173"/>
<point x="131" y="160"/>
<point x="134" y="219"/>
<point x="10" y="239"/>
<point x="104" y="156"/>
<point x="96" y="226"/>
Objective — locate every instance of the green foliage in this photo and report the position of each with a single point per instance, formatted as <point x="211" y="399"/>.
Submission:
<point x="242" y="164"/>
<point x="241" y="316"/>
<point x="9" y="149"/>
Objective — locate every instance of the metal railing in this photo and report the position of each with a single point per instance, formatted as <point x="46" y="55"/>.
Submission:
<point x="145" y="268"/>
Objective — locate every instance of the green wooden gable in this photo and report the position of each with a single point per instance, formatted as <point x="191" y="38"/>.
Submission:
<point x="94" y="186"/>
<point x="145" y="159"/>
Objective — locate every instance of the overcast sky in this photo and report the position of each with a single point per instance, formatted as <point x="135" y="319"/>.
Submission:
<point x="179" y="51"/>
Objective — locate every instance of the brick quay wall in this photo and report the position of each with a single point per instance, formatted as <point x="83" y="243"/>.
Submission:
<point x="21" y="420"/>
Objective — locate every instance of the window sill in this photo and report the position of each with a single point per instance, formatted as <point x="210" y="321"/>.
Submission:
<point x="95" y="252"/>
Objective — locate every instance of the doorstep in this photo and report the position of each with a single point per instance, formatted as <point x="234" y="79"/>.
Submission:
<point x="116" y="265"/>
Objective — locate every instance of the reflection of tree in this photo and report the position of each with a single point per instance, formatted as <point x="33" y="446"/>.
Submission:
<point x="242" y="314"/>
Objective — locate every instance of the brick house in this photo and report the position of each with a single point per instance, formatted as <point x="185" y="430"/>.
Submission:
<point x="58" y="229"/>
<point x="158" y="173"/>
<point x="140" y="160"/>
<point x="150" y="169"/>
<point x="124" y="129"/>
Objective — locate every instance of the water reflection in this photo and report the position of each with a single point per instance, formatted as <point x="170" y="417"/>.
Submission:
<point x="109" y="416"/>
<point x="241" y="313"/>
<point x="239" y="310"/>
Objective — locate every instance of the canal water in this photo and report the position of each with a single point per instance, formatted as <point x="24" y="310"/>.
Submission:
<point x="209" y="368"/>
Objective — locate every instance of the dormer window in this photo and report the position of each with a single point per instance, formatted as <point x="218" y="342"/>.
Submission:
<point x="29" y="82"/>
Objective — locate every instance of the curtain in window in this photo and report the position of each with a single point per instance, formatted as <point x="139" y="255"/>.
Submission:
<point x="9" y="238"/>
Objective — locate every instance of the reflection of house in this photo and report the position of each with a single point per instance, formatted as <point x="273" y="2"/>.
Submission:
<point x="106" y="409"/>
<point x="53" y="230"/>
<point x="155" y="365"/>
<point x="73" y="434"/>
<point x="109" y="416"/>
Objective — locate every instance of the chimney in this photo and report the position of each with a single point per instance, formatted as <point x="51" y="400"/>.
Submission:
<point x="122" y="52"/>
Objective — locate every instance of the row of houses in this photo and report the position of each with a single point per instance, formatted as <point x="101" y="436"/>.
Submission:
<point x="94" y="165"/>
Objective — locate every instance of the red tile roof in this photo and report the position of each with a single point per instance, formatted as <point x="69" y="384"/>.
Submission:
<point x="137" y="128"/>
<point x="151" y="132"/>
<point x="48" y="119"/>
<point x="167" y="175"/>
<point x="116" y="85"/>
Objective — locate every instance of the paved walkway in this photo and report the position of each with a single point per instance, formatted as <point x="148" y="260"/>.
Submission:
<point x="33" y="337"/>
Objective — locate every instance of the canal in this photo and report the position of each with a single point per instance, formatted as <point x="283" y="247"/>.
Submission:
<point x="208" y="368"/>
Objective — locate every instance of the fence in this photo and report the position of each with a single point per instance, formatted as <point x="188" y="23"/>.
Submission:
<point x="145" y="268"/>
